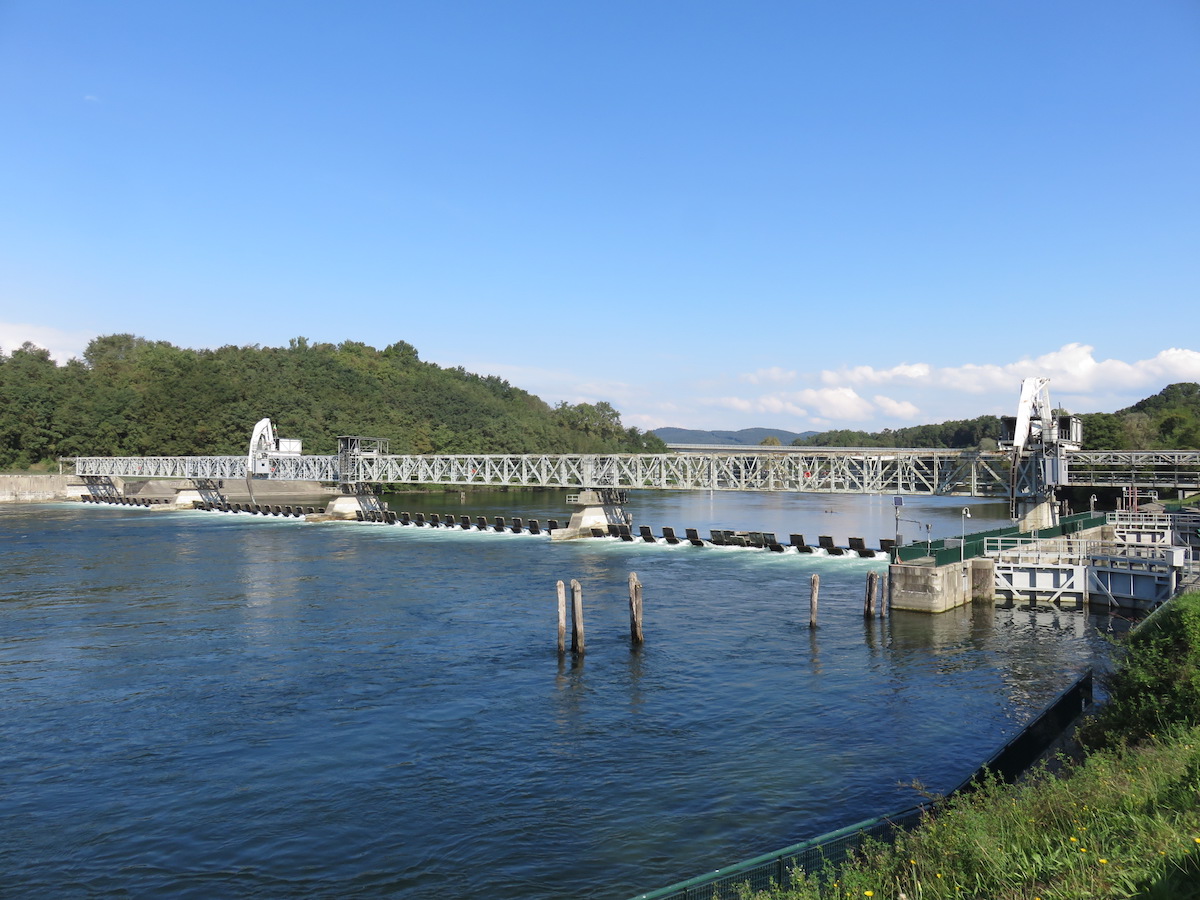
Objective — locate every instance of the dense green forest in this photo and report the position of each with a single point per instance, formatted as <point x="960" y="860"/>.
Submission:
<point x="133" y="397"/>
<point x="959" y="433"/>
<point x="1170" y="420"/>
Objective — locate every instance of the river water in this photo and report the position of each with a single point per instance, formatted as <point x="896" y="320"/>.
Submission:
<point x="202" y="704"/>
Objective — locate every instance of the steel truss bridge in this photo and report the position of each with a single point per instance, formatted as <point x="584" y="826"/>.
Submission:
<point x="817" y="470"/>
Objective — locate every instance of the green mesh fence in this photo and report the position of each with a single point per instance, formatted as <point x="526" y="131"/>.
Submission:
<point x="974" y="544"/>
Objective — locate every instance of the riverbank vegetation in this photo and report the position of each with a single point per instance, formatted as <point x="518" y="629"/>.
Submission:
<point x="1121" y="822"/>
<point x="1170" y="420"/>
<point x="132" y="397"/>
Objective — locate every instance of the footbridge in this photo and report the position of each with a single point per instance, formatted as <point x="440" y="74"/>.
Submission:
<point x="819" y="471"/>
<point x="823" y="470"/>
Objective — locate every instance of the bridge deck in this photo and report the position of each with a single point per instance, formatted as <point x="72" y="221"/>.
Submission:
<point x="818" y="470"/>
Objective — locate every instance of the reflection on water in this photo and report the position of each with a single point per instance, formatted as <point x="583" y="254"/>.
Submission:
<point x="210" y="704"/>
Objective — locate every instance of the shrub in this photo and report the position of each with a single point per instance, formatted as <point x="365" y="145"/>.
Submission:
<point x="1157" y="684"/>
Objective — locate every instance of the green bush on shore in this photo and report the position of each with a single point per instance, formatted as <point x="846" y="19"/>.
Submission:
<point x="1157" y="684"/>
<point x="1124" y="822"/>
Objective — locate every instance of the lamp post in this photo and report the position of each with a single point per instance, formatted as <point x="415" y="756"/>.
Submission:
<point x="962" y="548"/>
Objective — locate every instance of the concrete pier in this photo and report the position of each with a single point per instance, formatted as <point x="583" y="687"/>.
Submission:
<point x="936" y="589"/>
<point x="598" y="508"/>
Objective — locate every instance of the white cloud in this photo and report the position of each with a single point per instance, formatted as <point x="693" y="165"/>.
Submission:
<point x="741" y="404"/>
<point x="1072" y="368"/>
<point x="830" y="403"/>
<point x="62" y="344"/>
<point x="915" y="372"/>
<point x="780" y="405"/>
<point x="837" y="403"/>
<point x="898" y="409"/>
<point x="773" y="375"/>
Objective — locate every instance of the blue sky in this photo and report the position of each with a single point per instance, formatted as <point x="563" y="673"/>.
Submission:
<point x="797" y="215"/>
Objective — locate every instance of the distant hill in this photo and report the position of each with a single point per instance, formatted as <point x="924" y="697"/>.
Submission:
<point x="748" y="436"/>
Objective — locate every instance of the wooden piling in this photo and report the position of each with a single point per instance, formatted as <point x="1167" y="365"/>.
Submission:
<point x="577" y="641"/>
<point x="872" y="592"/>
<point x="635" y="609"/>
<point x="562" y="617"/>
<point x="812" y="601"/>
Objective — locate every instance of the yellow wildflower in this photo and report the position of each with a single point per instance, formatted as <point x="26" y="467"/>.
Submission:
<point x="1103" y="860"/>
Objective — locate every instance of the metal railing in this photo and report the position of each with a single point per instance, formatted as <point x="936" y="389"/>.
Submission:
<point x="816" y="470"/>
<point x="946" y="551"/>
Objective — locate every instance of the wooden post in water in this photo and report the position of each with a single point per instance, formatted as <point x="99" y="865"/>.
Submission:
<point x="635" y="609"/>
<point x="577" y="642"/>
<point x="812" y="601"/>
<point x="872" y="592"/>
<point x="562" y="617"/>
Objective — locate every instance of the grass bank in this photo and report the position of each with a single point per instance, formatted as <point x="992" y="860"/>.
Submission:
<point x="1124" y="821"/>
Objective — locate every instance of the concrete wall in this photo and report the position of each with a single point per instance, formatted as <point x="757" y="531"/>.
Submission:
<point x="935" y="589"/>
<point x="234" y="490"/>
<point x="42" y="488"/>
<point x="38" y="488"/>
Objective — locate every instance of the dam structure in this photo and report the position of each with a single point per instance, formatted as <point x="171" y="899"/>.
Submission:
<point x="968" y="473"/>
<point x="363" y="462"/>
<point x="1039" y="452"/>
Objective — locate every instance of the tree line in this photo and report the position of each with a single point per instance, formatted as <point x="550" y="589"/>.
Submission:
<point x="129" y="396"/>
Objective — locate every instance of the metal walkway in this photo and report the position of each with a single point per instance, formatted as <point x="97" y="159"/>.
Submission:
<point x="816" y="470"/>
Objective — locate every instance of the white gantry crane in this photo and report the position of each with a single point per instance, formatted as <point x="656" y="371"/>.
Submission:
<point x="1038" y="437"/>
<point x="265" y="447"/>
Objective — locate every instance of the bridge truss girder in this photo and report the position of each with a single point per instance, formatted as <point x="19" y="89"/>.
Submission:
<point x="1178" y="469"/>
<point x="822" y="471"/>
<point x="867" y="471"/>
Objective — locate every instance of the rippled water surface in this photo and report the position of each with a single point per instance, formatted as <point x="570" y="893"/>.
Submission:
<point x="198" y="704"/>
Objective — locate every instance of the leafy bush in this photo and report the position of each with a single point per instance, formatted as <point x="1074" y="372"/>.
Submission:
<point x="1157" y="684"/>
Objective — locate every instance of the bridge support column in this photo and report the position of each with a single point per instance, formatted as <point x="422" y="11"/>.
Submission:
<point x="358" y="501"/>
<point x="101" y="487"/>
<point x="1033" y="515"/>
<point x="598" y="508"/>
<point x="203" y="490"/>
